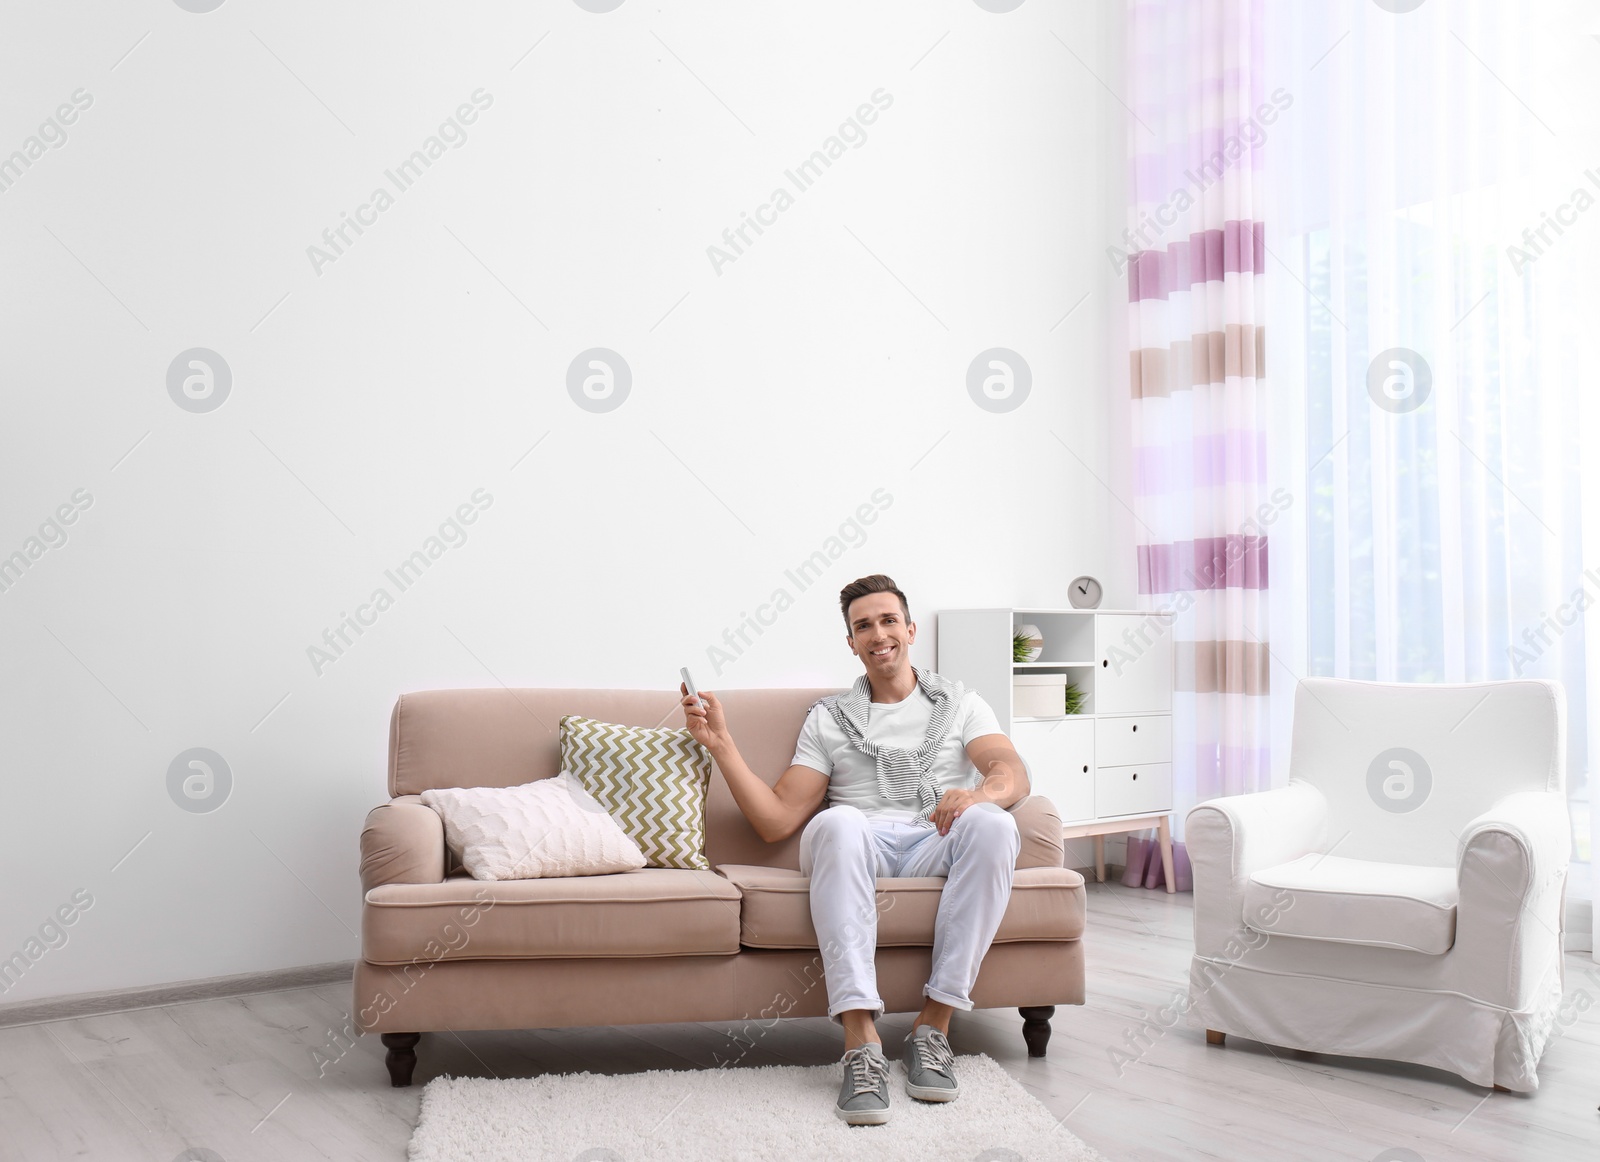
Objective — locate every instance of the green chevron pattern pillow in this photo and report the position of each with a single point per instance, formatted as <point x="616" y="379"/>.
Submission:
<point x="651" y="780"/>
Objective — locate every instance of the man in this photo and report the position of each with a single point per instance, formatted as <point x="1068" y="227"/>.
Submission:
<point x="918" y="777"/>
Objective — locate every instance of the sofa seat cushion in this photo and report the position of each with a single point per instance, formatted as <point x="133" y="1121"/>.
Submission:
<point x="1047" y="903"/>
<point x="1355" y="901"/>
<point x="643" y="913"/>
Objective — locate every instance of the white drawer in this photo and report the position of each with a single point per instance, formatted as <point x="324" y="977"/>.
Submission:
<point x="1060" y="758"/>
<point x="1143" y="789"/>
<point x="1121" y="742"/>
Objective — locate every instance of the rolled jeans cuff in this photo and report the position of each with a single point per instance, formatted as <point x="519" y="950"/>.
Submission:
<point x="945" y="998"/>
<point x="835" y="1011"/>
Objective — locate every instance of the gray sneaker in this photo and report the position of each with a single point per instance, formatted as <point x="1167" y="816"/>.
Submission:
<point x="930" y="1065"/>
<point x="864" y="1094"/>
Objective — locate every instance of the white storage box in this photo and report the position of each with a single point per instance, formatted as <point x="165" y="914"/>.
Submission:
<point x="1038" y="695"/>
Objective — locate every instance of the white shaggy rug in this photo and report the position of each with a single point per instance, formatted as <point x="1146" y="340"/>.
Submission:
<point x="771" y="1113"/>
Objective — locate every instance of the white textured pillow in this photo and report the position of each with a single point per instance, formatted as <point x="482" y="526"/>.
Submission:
<point x="549" y="827"/>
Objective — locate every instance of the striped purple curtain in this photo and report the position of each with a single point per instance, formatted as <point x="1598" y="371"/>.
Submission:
<point x="1198" y="123"/>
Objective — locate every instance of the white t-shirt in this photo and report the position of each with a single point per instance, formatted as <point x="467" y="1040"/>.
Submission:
<point x="853" y="776"/>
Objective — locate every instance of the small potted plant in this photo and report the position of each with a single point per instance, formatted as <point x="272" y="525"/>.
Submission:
<point x="1075" y="699"/>
<point x="1026" y="643"/>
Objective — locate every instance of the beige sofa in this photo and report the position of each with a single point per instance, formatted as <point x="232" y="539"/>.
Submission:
<point x="440" y="950"/>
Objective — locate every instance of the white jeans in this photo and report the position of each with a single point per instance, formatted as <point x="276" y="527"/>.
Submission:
<point x="844" y="851"/>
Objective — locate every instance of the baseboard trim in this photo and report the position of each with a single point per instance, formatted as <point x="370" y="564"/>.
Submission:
<point x="176" y="993"/>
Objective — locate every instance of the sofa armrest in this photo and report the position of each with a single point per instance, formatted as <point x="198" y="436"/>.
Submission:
<point x="402" y="843"/>
<point x="1040" y="825"/>
<point x="1512" y="871"/>
<point x="1231" y="838"/>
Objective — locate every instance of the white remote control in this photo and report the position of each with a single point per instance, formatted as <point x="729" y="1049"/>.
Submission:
<point x="689" y="682"/>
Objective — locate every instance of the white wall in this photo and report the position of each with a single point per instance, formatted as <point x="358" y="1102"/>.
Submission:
<point x="373" y="396"/>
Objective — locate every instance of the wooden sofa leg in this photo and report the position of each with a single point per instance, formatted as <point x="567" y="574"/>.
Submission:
<point x="1215" y="1038"/>
<point x="401" y="1058"/>
<point x="1036" y="1027"/>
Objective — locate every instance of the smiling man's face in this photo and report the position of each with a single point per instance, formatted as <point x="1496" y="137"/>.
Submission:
<point x="880" y="634"/>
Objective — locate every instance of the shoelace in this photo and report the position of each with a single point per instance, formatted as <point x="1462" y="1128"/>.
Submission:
<point x="936" y="1053"/>
<point x="867" y="1070"/>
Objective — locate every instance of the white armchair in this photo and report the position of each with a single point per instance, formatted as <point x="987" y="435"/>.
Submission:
<point x="1402" y="897"/>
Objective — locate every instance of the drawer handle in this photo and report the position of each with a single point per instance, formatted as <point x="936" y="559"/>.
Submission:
<point x="1136" y="776"/>
<point x="1104" y="663"/>
<point x="1086" y="768"/>
<point x="1136" y="728"/>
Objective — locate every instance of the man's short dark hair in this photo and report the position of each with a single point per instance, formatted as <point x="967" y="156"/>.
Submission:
<point x="861" y="587"/>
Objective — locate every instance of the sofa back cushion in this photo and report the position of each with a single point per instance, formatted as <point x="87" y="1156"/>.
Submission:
<point x="504" y="738"/>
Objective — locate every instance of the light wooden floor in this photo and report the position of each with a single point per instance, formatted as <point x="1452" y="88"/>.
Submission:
<point x="237" y="1076"/>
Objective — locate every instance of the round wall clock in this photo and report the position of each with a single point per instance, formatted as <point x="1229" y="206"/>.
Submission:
<point x="1085" y="593"/>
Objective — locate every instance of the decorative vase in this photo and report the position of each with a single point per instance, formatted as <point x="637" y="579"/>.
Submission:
<point x="1035" y="641"/>
<point x="1137" y="861"/>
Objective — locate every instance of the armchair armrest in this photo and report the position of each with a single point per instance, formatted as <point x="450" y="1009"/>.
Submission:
<point x="402" y="843"/>
<point x="1512" y="870"/>
<point x="1232" y="837"/>
<point x="1536" y="823"/>
<point x="1040" y="826"/>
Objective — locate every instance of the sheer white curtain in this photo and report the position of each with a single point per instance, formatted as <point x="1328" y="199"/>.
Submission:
<point x="1434" y="287"/>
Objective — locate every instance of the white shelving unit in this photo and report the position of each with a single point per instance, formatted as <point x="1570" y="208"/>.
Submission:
<point x="1108" y="769"/>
